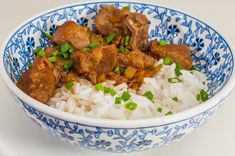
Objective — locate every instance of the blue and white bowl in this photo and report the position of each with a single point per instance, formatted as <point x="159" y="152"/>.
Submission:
<point x="211" y="53"/>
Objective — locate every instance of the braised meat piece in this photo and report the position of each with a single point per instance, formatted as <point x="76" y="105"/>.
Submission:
<point x="123" y="23"/>
<point x="139" y="59"/>
<point x="119" y="79"/>
<point x="137" y="24"/>
<point x="72" y="33"/>
<point x="179" y="53"/>
<point x="39" y="81"/>
<point x="110" y="20"/>
<point x="92" y="64"/>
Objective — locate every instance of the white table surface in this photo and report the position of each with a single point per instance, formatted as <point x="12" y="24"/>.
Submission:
<point x="19" y="136"/>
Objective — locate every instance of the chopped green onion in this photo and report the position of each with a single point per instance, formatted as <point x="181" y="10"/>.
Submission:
<point x="131" y="106"/>
<point x="126" y="8"/>
<point x="100" y="87"/>
<point x="175" y="99"/>
<point x="71" y="50"/>
<point x="92" y="35"/>
<point x="55" y="53"/>
<point x="69" y="85"/>
<point x="86" y="49"/>
<point x="110" y="38"/>
<point x="162" y="43"/>
<point x="169" y="113"/>
<point x="174" y="80"/>
<point x="125" y="96"/>
<point x="116" y="69"/>
<point x="123" y="50"/>
<point x="127" y="40"/>
<point x="109" y="90"/>
<point x="203" y="82"/>
<point x="193" y="68"/>
<point x="30" y="65"/>
<point x="167" y="60"/>
<point x="203" y="96"/>
<point x="65" y="47"/>
<point x="122" y="70"/>
<point x="47" y="35"/>
<point x="101" y="39"/>
<point x="93" y="45"/>
<point x="149" y="95"/>
<point x="118" y="100"/>
<point x="41" y="53"/>
<point x="177" y="70"/>
<point x="65" y="55"/>
<point x="52" y="59"/>
<point x="159" y="109"/>
<point x="67" y="65"/>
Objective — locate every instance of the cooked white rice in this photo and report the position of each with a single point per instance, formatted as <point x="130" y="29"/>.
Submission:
<point x="85" y="100"/>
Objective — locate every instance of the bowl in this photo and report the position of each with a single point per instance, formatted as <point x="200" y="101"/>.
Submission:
<point x="212" y="54"/>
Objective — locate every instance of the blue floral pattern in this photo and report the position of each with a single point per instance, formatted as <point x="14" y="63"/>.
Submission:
<point x="210" y="53"/>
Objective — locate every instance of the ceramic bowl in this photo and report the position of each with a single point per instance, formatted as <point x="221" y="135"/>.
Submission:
<point x="212" y="54"/>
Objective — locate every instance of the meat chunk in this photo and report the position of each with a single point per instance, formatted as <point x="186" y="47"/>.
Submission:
<point x="179" y="53"/>
<point x="72" y="33"/>
<point x="137" y="24"/>
<point x="39" y="81"/>
<point x="123" y="23"/>
<point x="110" y="20"/>
<point x="139" y="59"/>
<point x="100" y="61"/>
<point x="119" y="79"/>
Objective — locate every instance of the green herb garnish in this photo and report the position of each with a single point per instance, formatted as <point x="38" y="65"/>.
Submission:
<point x="110" y="38"/>
<point x="41" y="53"/>
<point x="55" y="53"/>
<point x="131" y="106"/>
<point x="123" y="50"/>
<point x="109" y="90"/>
<point x="177" y="70"/>
<point x="117" y="69"/>
<point x="99" y="87"/>
<point x="175" y="99"/>
<point x="193" y="68"/>
<point x="67" y="65"/>
<point x="127" y="40"/>
<point x="126" y="8"/>
<point x="202" y="96"/>
<point x="149" y="95"/>
<point x="118" y="100"/>
<point x="52" y="59"/>
<point x="47" y="35"/>
<point x="167" y="60"/>
<point x="69" y="85"/>
<point x="93" y="45"/>
<point x="122" y="70"/>
<point x="163" y="43"/>
<point x="101" y="39"/>
<point x="169" y="113"/>
<point x="125" y="96"/>
<point x="174" y="80"/>
<point x="30" y="65"/>
<point x="65" y="47"/>
<point x="86" y="49"/>
<point x="159" y="109"/>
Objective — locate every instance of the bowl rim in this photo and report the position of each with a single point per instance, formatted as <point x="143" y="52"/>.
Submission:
<point x="113" y="123"/>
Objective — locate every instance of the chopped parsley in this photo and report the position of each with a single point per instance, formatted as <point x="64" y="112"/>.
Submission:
<point x="127" y="40"/>
<point x="39" y="52"/>
<point x="30" y="65"/>
<point x="123" y="50"/>
<point x="131" y="106"/>
<point x="125" y="96"/>
<point x="55" y="53"/>
<point x="167" y="60"/>
<point x="117" y="69"/>
<point x="65" y="48"/>
<point x="86" y="49"/>
<point x="69" y="85"/>
<point x="149" y="95"/>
